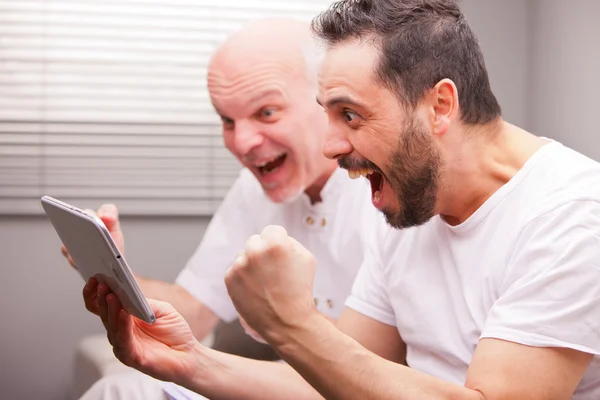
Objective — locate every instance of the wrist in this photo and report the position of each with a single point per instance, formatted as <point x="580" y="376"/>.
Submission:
<point x="201" y="370"/>
<point x="296" y="330"/>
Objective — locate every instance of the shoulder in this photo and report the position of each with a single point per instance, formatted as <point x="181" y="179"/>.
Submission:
<point x="564" y="176"/>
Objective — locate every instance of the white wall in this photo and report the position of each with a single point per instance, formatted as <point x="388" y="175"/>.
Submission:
<point x="42" y="311"/>
<point x="565" y="83"/>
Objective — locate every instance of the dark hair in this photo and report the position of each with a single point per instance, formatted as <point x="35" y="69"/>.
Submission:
<point x="422" y="42"/>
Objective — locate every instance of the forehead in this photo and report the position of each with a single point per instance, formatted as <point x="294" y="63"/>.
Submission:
<point x="348" y="68"/>
<point x="239" y="85"/>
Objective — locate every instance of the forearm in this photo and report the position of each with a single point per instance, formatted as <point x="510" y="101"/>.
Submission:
<point x="340" y="368"/>
<point x="221" y="376"/>
<point x="200" y="319"/>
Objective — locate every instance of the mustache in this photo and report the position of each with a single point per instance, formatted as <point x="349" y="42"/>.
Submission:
<point x="348" y="162"/>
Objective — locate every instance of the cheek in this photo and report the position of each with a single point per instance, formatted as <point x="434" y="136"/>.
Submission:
<point x="280" y="133"/>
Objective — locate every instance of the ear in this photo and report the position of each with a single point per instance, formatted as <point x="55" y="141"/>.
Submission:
<point x="444" y="100"/>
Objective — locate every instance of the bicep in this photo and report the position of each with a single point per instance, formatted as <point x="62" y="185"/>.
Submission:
<point x="503" y="370"/>
<point x="377" y="337"/>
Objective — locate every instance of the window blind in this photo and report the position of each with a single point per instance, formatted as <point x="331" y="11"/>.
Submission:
<point x="106" y="101"/>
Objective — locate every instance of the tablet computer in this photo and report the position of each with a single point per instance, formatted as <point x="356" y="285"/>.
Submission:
<point x="95" y="254"/>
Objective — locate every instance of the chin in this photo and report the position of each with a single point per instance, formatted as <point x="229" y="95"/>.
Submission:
<point x="285" y="194"/>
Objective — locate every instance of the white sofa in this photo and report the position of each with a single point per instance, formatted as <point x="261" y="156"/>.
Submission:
<point x="94" y="359"/>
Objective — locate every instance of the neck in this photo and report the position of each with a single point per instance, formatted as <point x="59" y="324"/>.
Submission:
<point x="314" y="191"/>
<point x="486" y="159"/>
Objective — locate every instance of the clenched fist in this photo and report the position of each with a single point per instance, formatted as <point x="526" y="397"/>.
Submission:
<point x="271" y="282"/>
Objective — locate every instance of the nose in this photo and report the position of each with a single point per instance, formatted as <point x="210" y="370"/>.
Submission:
<point x="336" y="144"/>
<point x="246" y="137"/>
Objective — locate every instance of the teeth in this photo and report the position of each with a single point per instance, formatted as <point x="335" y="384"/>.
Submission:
<point x="261" y="165"/>
<point x="377" y="195"/>
<point x="357" y="173"/>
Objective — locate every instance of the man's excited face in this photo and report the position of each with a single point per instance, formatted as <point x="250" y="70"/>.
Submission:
<point x="372" y="134"/>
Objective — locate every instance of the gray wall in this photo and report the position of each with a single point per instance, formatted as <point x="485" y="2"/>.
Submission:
<point x="502" y="30"/>
<point x="541" y="60"/>
<point x="565" y="79"/>
<point x="42" y="311"/>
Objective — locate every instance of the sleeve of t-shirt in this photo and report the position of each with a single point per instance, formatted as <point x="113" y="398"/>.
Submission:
<point x="551" y="291"/>
<point x="230" y="227"/>
<point x="369" y="293"/>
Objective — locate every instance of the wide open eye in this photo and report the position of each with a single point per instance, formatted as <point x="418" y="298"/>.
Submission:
<point x="350" y="117"/>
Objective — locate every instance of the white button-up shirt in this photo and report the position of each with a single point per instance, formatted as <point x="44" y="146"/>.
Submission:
<point x="333" y="230"/>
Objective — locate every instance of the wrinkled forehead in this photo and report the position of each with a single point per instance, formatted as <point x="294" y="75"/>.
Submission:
<point x="239" y="80"/>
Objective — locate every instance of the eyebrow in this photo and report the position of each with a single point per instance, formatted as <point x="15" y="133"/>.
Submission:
<point x="340" y="99"/>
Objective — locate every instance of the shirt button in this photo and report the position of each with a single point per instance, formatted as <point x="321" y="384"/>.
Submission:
<point x="329" y="303"/>
<point x="310" y="221"/>
<point x="316" y="302"/>
<point x="323" y="222"/>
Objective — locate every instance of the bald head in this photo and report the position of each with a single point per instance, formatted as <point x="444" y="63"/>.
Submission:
<point x="283" y="43"/>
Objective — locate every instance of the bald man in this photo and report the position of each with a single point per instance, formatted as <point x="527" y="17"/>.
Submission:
<point x="262" y="83"/>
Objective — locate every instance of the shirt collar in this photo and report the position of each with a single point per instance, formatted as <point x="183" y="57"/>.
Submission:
<point x="330" y="192"/>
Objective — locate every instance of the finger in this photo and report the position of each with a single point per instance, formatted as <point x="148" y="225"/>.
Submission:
<point x="275" y="238"/>
<point x="254" y="246"/>
<point x="275" y="243"/>
<point x="103" y="291"/>
<point x="125" y="338"/>
<point x="274" y="232"/>
<point x="160" y="309"/>
<point x="114" y="308"/>
<point x="241" y="260"/>
<point x="90" y="296"/>
<point x="65" y="253"/>
<point x="109" y="214"/>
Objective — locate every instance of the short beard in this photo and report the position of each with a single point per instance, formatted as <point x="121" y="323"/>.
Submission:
<point x="414" y="172"/>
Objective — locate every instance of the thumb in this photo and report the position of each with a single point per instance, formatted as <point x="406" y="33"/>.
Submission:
<point x="109" y="214"/>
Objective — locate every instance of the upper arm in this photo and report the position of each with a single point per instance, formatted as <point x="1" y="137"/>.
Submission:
<point x="502" y="370"/>
<point x="542" y="332"/>
<point x="377" y="337"/>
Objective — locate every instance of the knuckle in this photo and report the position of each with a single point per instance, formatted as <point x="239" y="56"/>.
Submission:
<point x="275" y="248"/>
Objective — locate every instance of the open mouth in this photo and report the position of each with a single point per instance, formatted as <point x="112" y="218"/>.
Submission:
<point x="375" y="178"/>
<point x="271" y="166"/>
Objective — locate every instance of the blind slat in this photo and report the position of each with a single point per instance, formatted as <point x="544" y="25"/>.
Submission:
<point x="106" y="101"/>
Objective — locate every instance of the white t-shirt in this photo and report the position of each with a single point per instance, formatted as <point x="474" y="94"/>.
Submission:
<point x="525" y="267"/>
<point x="332" y="230"/>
